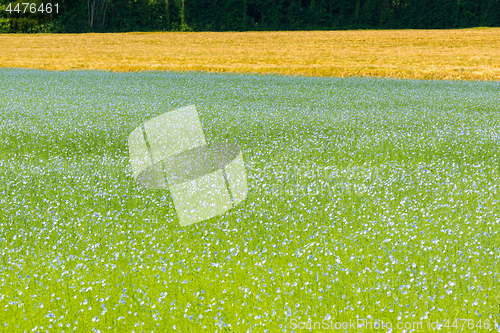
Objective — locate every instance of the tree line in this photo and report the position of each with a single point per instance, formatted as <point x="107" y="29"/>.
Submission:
<point x="75" y="16"/>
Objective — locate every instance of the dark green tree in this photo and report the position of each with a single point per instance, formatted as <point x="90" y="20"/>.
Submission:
<point x="240" y="15"/>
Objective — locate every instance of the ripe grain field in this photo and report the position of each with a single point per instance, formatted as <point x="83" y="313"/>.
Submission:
<point x="369" y="199"/>
<point x="466" y="54"/>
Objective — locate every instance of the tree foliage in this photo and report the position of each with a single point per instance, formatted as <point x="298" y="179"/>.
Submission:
<point x="243" y="15"/>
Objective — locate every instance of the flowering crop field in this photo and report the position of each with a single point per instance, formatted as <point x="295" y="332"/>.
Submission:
<point x="369" y="200"/>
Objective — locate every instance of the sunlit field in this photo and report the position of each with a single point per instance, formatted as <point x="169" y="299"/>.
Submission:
<point x="369" y="199"/>
<point x="464" y="54"/>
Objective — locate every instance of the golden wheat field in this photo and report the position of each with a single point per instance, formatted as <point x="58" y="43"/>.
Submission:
<point x="465" y="54"/>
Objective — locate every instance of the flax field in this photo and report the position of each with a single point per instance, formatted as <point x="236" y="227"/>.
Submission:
<point x="370" y="200"/>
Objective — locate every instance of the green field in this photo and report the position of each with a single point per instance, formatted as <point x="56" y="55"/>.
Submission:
<point x="369" y="199"/>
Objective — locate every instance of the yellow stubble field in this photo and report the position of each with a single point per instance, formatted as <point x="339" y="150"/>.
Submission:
<point x="465" y="54"/>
